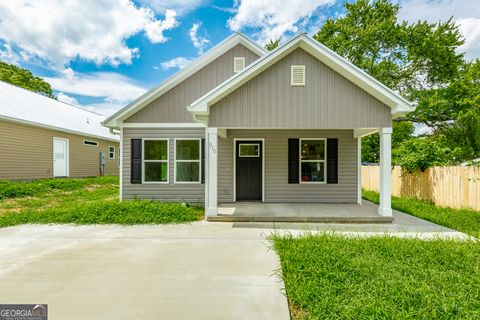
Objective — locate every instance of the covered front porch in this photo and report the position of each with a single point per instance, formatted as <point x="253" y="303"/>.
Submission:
<point x="299" y="212"/>
<point x="277" y="196"/>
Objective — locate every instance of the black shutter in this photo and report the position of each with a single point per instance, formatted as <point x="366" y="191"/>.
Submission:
<point x="136" y="161"/>
<point x="332" y="160"/>
<point x="293" y="161"/>
<point x="202" y="168"/>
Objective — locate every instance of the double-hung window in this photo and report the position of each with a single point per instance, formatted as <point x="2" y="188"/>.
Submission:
<point x="188" y="156"/>
<point x="155" y="160"/>
<point x="111" y="152"/>
<point x="313" y="153"/>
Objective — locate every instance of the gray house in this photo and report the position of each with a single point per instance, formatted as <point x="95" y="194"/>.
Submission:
<point x="243" y="124"/>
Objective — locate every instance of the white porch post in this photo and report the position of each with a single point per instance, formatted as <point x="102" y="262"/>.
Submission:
<point x="211" y="140"/>
<point x="359" y="170"/>
<point x="385" y="208"/>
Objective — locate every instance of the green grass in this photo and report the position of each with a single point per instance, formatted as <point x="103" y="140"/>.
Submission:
<point x="333" y="277"/>
<point x="83" y="201"/>
<point x="464" y="220"/>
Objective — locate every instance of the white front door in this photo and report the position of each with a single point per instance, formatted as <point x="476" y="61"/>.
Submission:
<point x="60" y="157"/>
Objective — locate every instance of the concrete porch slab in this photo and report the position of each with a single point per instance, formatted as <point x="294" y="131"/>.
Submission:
<point x="299" y="212"/>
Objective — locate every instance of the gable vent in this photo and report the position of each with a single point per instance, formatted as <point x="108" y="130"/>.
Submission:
<point x="297" y="76"/>
<point x="238" y="64"/>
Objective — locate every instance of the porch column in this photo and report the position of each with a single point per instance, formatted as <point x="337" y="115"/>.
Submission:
<point x="385" y="208"/>
<point x="359" y="170"/>
<point x="211" y="139"/>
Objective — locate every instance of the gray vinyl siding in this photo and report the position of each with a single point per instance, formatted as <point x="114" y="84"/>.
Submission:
<point x="277" y="188"/>
<point x="171" y="106"/>
<point x="328" y="100"/>
<point x="191" y="193"/>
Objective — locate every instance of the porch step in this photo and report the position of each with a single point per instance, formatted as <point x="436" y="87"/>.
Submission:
<point x="366" y="220"/>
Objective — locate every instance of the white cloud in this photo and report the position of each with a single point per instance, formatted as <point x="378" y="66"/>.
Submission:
<point x="274" y="18"/>
<point x="198" y="42"/>
<point x="113" y="88"/>
<point x="59" y="31"/>
<point x="106" y="109"/>
<point x="67" y="99"/>
<point x="8" y="55"/>
<point x="465" y="13"/>
<point x="179" y="6"/>
<point x="176" y="63"/>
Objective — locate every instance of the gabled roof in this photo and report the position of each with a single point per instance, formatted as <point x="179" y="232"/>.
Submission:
<point x="30" y="108"/>
<point x="397" y="103"/>
<point x="237" y="38"/>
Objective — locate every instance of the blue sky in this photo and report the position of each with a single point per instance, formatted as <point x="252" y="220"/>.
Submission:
<point x="102" y="54"/>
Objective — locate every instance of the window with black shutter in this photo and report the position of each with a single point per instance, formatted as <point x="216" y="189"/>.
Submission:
<point x="293" y="160"/>
<point x="136" y="161"/>
<point x="203" y="161"/>
<point x="332" y="160"/>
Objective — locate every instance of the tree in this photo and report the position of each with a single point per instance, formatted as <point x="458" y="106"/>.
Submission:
<point x="25" y="79"/>
<point x="406" y="58"/>
<point x="272" y="44"/>
<point x="419" y="60"/>
<point x="419" y="154"/>
<point x="402" y="131"/>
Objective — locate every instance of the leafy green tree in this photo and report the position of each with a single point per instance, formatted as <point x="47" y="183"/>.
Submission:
<point x="272" y="44"/>
<point x="463" y="137"/>
<point x="402" y="131"/>
<point x="420" y="61"/>
<point x="405" y="57"/>
<point x="25" y="79"/>
<point x="439" y="107"/>
<point x="419" y="154"/>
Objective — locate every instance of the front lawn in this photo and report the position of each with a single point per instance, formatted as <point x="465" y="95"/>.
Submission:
<point x="464" y="220"/>
<point x="333" y="277"/>
<point x="83" y="201"/>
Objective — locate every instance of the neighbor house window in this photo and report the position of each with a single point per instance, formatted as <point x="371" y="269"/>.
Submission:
<point x="111" y="152"/>
<point x="90" y="143"/>
<point x="187" y="160"/>
<point x="155" y="160"/>
<point x="312" y="160"/>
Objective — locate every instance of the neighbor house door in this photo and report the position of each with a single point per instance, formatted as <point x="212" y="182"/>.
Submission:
<point x="248" y="175"/>
<point x="60" y="157"/>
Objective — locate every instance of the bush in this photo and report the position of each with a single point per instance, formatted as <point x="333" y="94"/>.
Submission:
<point x="419" y="154"/>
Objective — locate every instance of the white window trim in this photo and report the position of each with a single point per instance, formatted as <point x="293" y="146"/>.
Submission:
<point x="248" y="144"/>
<point x="90" y="145"/>
<point x="235" y="59"/>
<point x="199" y="161"/>
<point x="300" y="162"/>
<point x="167" y="161"/>
<point x="291" y="76"/>
<point x="114" y="150"/>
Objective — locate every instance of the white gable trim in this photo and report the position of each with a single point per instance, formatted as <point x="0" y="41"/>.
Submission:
<point x="115" y="120"/>
<point x="398" y="104"/>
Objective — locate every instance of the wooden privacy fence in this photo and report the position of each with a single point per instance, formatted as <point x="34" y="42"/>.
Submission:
<point x="456" y="187"/>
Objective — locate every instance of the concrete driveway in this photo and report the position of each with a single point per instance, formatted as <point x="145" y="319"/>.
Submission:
<point x="198" y="271"/>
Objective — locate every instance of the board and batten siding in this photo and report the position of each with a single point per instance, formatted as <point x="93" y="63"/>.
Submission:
<point x="26" y="152"/>
<point x="184" y="192"/>
<point x="171" y="106"/>
<point x="277" y="188"/>
<point x="327" y="101"/>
